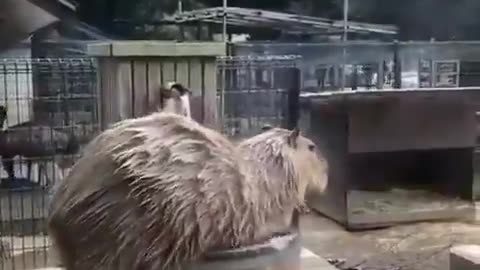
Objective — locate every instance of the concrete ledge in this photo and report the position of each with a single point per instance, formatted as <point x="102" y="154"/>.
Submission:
<point x="157" y="48"/>
<point x="465" y="257"/>
<point x="311" y="261"/>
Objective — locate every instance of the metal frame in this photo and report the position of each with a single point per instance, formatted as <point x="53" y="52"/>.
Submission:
<point x="435" y="73"/>
<point x="259" y="61"/>
<point x="383" y="92"/>
<point x="278" y="20"/>
<point x="51" y="114"/>
<point x="256" y="91"/>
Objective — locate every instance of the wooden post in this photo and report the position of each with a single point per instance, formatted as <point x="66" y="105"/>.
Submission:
<point x="293" y="98"/>
<point x="290" y="76"/>
<point x="397" y="67"/>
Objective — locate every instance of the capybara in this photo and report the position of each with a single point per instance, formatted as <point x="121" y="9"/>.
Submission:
<point x="158" y="191"/>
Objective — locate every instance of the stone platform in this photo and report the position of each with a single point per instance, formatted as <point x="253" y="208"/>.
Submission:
<point x="465" y="257"/>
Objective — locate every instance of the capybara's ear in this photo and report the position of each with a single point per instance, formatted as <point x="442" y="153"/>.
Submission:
<point x="293" y="136"/>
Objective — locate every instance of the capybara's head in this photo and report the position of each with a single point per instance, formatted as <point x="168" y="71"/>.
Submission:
<point x="297" y="155"/>
<point x="309" y="163"/>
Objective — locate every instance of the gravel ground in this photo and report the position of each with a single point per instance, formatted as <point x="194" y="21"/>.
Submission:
<point x="422" y="246"/>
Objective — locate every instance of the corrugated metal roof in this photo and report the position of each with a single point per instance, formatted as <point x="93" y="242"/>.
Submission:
<point x="277" y="20"/>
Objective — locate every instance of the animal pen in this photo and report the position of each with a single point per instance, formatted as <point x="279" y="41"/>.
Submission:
<point x="237" y="95"/>
<point x="407" y="108"/>
<point x="257" y="91"/>
<point x="55" y="106"/>
<point x="50" y="107"/>
<point x="55" y="103"/>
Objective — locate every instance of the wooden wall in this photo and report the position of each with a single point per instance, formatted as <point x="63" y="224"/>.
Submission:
<point x="131" y="73"/>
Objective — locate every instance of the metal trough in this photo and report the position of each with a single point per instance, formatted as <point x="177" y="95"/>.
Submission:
<point x="280" y="253"/>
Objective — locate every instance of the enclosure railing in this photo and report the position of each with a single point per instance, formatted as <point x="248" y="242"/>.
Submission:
<point x="254" y="91"/>
<point x="48" y="110"/>
<point x="379" y="65"/>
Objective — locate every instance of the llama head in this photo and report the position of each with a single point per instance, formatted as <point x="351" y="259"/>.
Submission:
<point x="176" y="99"/>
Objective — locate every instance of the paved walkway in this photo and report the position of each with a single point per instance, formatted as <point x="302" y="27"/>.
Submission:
<point x="312" y="261"/>
<point x="421" y="246"/>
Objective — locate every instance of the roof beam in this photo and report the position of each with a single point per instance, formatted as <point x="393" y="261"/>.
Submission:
<point x="245" y="16"/>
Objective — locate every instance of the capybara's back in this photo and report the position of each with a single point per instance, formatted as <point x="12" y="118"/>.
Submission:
<point x="154" y="192"/>
<point x="145" y="195"/>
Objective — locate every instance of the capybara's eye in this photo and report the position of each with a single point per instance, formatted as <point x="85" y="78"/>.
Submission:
<point x="311" y="147"/>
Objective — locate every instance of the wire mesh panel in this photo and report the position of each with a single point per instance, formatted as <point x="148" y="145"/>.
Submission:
<point x="47" y="112"/>
<point x="255" y="91"/>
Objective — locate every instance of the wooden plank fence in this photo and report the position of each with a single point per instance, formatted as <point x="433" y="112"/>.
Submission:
<point x="131" y="73"/>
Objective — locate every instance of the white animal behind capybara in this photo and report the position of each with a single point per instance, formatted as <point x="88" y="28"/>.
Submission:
<point x="161" y="190"/>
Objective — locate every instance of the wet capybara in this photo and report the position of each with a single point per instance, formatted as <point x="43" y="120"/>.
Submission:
<point x="161" y="190"/>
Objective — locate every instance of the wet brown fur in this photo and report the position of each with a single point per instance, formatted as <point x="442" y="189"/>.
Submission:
<point x="303" y="164"/>
<point x="155" y="191"/>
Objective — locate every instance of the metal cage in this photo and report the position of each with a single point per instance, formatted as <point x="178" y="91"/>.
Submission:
<point x="254" y="91"/>
<point x="48" y="110"/>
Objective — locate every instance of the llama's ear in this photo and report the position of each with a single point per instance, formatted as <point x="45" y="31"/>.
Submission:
<point x="266" y="128"/>
<point x="171" y="84"/>
<point x="182" y="90"/>
<point x="293" y="136"/>
<point x="165" y="92"/>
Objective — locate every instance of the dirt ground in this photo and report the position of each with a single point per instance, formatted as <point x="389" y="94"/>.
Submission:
<point x="421" y="246"/>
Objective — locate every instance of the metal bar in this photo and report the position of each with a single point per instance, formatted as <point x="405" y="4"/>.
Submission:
<point x="293" y="20"/>
<point x="252" y="95"/>
<point x="69" y="82"/>
<point x="345" y="37"/>
<point x="224" y="32"/>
